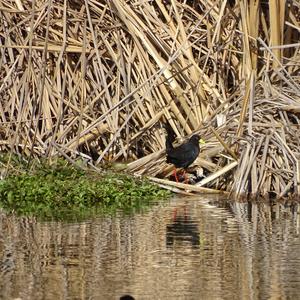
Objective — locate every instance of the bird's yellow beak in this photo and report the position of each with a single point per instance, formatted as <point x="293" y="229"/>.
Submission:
<point x="201" y="141"/>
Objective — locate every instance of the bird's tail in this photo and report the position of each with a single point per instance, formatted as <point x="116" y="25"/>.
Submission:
<point x="171" y="136"/>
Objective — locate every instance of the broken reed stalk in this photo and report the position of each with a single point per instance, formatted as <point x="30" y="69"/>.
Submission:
<point x="189" y="187"/>
<point x="81" y="77"/>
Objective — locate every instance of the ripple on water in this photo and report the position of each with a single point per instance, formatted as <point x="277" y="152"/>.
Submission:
<point x="187" y="248"/>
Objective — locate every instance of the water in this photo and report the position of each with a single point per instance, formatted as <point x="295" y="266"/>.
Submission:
<point x="187" y="248"/>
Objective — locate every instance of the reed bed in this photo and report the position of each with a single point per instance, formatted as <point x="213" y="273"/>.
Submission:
<point x="97" y="79"/>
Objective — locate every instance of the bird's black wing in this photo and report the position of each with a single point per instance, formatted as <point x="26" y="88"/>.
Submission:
<point x="183" y="155"/>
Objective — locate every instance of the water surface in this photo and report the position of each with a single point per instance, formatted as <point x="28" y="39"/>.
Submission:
<point x="188" y="248"/>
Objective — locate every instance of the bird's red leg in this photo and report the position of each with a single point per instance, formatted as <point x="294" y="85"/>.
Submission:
<point x="176" y="178"/>
<point x="185" y="178"/>
<point x="175" y="174"/>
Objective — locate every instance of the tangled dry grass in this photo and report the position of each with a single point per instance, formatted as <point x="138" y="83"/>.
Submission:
<point x="96" y="79"/>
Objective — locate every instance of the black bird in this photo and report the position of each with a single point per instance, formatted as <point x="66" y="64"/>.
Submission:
<point x="126" y="297"/>
<point x="183" y="155"/>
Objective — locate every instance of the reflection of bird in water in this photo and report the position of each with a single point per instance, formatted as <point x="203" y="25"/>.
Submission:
<point x="183" y="229"/>
<point x="126" y="297"/>
<point x="183" y="155"/>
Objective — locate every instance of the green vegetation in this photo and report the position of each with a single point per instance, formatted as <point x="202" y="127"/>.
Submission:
<point x="62" y="191"/>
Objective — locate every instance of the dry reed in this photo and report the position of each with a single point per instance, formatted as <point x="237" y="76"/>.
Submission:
<point x="96" y="79"/>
